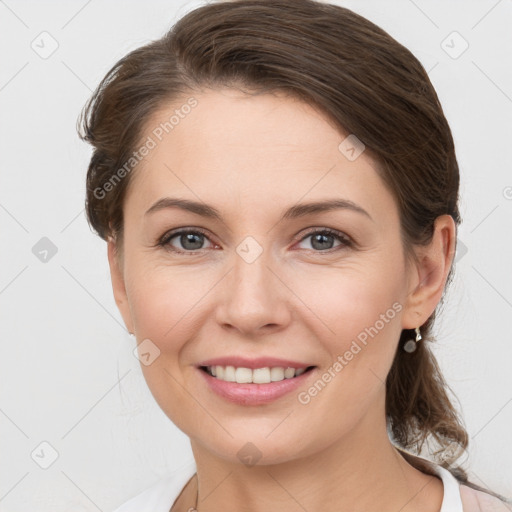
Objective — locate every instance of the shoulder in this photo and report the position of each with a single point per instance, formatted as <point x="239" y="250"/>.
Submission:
<point x="480" y="501"/>
<point x="162" y="494"/>
<point x="457" y="496"/>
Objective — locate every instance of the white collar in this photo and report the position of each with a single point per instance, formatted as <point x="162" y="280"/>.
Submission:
<point x="451" y="497"/>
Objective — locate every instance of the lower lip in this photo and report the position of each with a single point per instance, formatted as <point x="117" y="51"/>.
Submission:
<point x="254" y="394"/>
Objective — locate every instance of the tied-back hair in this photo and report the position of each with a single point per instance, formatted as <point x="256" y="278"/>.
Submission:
<point x="366" y="83"/>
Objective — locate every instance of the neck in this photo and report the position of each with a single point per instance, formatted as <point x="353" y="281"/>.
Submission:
<point x="361" y="471"/>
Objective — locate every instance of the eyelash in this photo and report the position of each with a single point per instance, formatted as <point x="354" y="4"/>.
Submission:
<point x="346" y="242"/>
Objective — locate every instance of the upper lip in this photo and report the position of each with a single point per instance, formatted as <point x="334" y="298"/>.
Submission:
<point x="258" y="362"/>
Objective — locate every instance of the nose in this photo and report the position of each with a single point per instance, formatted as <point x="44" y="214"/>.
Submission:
<point x="254" y="299"/>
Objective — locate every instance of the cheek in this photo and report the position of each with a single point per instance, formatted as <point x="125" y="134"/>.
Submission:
<point x="164" y="300"/>
<point x="355" y="310"/>
<point x="357" y="322"/>
<point x="348" y="299"/>
<point x="166" y="308"/>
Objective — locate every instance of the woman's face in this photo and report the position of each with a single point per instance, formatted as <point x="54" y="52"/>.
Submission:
<point x="257" y="282"/>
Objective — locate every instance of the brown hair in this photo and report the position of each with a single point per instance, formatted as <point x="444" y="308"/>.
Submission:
<point x="364" y="81"/>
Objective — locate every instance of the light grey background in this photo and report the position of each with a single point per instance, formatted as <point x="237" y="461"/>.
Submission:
<point x="69" y="377"/>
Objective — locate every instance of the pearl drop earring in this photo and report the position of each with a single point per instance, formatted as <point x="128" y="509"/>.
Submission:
<point x="410" y="345"/>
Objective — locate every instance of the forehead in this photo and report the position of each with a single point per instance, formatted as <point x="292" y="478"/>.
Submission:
<point x="255" y="150"/>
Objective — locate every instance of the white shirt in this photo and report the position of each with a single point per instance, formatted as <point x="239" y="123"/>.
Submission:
<point x="161" y="496"/>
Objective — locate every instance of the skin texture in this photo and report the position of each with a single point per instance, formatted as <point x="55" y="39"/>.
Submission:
<point x="251" y="157"/>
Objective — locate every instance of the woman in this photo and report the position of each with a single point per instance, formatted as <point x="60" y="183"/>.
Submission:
<point x="278" y="188"/>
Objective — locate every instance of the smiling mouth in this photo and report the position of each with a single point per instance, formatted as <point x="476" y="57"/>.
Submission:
<point x="265" y="375"/>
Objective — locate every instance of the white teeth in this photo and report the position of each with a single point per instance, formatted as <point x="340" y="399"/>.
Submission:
<point x="256" y="376"/>
<point x="229" y="374"/>
<point x="261" y="375"/>
<point x="289" y="373"/>
<point x="243" y="375"/>
<point x="276" y="374"/>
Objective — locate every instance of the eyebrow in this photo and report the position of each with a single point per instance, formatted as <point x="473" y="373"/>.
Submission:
<point x="294" y="212"/>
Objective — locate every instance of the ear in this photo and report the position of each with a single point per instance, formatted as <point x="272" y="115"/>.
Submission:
<point x="118" y="283"/>
<point x="428" y="276"/>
